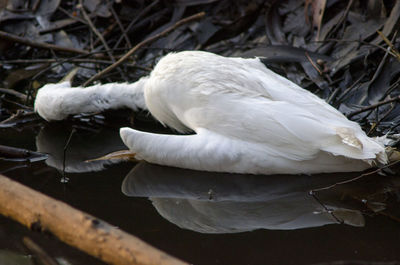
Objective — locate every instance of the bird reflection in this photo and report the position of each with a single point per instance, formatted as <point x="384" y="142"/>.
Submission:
<point x="229" y="203"/>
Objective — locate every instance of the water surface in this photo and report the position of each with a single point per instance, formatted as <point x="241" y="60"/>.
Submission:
<point x="207" y="218"/>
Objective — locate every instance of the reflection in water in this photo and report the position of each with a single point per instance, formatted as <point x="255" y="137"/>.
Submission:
<point x="83" y="146"/>
<point x="228" y="203"/>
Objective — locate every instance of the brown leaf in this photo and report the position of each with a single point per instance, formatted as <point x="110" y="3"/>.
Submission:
<point x="317" y="10"/>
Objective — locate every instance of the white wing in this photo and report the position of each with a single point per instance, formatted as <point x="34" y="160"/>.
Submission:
<point x="242" y="99"/>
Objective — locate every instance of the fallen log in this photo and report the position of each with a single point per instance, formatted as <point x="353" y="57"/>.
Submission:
<point x="83" y="231"/>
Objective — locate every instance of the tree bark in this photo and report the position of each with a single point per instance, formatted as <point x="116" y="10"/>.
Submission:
<point x="83" y="231"/>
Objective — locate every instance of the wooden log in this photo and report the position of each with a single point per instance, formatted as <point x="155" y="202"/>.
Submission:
<point x="83" y="231"/>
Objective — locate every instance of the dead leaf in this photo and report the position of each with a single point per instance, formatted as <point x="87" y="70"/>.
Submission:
<point x="317" y="10"/>
<point x="237" y="26"/>
<point x="22" y="74"/>
<point x="376" y="8"/>
<point x="390" y="23"/>
<point x="99" y="7"/>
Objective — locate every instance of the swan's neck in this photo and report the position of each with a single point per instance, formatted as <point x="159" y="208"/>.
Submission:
<point x="57" y="101"/>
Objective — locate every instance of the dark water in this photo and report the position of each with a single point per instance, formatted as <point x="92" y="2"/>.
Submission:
<point x="207" y="218"/>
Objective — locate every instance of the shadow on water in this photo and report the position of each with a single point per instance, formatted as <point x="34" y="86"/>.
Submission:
<point x="212" y="218"/>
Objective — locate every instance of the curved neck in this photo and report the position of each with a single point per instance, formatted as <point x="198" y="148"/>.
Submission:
<point x="57" y="101"/>
<point x="112" y="96"/>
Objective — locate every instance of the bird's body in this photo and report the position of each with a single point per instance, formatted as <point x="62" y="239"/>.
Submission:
<point x="246" y="118"/>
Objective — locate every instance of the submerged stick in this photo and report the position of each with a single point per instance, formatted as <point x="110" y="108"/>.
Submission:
<point x="83" y="231"/>
<point x="38" y="252"/>
<point x="355" y="178"/>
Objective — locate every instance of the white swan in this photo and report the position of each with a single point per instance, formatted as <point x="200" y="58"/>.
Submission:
<point x="246" y="118"/>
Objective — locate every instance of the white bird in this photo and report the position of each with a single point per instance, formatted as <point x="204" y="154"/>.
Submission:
<point x="246" y="118"/>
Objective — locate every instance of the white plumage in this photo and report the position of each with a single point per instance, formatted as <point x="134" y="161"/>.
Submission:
<point x="246" y="118"/>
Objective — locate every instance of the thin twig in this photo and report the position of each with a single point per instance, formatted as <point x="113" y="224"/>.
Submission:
<point x="313" y="64"/>
<point x="390" y="44"/>
<point x="77" y="18"/>
<point x="71" y="60"/>
<point x="380" y="67"/>
<point x="16" y="115"/>
<point x="43" y="45"/>
<point x="59" y="60"/>
<point x="105" y="33"/>
<point x="333" y="95"/>
<point x="355" y="178"/>
<point x="139" y="16"/>
<point x="59" y="24"/>
<point x="35" y="6"/>
<point x="373" y="106"/>
<point x="19" y="105"/>
<point x="326" y="208"/>
<point x="100" y="36"/>
<point x="393" y="86"/>
<point x="375" y="125"/>
<point x="340" y="98"/>
<point x="14" y="168"/>
<point x="65" y="153"/>
<point x="17" y="94"/>
<point x="359" y="41"/>
<point x="143" y="43"/>
<point x="395" y="218"/>
<point x="94" y="29"/>
<point x="342" y="19"/>
<point x="40" y="254"/>
<point x="120" y="25"/>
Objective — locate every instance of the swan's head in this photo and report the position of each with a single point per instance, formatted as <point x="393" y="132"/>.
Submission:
<point x="48" y="101"/>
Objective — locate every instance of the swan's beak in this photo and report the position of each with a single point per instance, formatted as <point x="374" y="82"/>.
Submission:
<point x="122" y="155"/>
